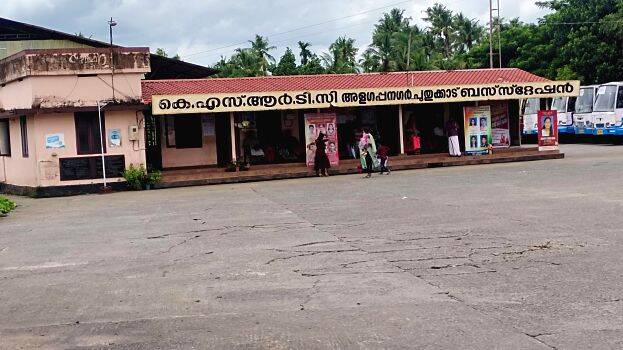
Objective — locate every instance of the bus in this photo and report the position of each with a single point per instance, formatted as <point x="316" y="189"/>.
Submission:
<point x="565" y="106"/>
<point x="583" y="122"/>
<point x="608" y="110"/>
<point x="529" y="109"/>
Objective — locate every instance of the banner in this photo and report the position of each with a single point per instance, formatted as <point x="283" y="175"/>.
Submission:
<point x="477" y="129"/>
<point x="500" y="124"/>
<point x="548" y="130"/>
<point x="289" y="100"/>
<point x="55" y="140"/>
<point x="114" y="138"/>
<point x="326" y="124"/>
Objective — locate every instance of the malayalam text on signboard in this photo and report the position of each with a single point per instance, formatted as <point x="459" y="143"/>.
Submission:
<point x="236" y="102"/>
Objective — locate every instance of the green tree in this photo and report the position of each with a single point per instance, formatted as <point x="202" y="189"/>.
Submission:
<point x="286" y="65"/>
<point x="313" y="66"/>
<point x="370" y="61"/>
<point x="261" y="48"/>
<point x="384" y="39"/>
<point x="162" y="53"/>
<point x="441" y="21"/>
<point x="467" y="32"/>
<point x="342" y="56"/>
<point x="304" y="53"/>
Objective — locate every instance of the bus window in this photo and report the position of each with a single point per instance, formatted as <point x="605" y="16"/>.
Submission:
<point x="531" y="106"/>
<point x="558" y="104"/>
<point x="606" y="95"/>
<point x="620" y="98"/>
<point x="584" y="103"/>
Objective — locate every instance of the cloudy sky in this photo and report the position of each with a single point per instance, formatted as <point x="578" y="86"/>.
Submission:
<point x="203" y="30"/>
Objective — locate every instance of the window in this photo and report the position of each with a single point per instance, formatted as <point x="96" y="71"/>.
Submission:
<point x="620" y="98"/>
<point x="605" y="98"/>
<point x="24" y="131"/>
<point x="5" y="139"/>
<point x="88" y="138"/>
<point x="188" y="131"/>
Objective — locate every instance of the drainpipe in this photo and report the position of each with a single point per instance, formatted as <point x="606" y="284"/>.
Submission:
<point x="102" y="140"/>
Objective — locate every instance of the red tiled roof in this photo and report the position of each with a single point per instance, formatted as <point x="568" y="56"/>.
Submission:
<point x="335" y="82"/>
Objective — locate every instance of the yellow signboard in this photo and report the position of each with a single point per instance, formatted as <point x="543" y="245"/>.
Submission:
<point x="282" y="100"/>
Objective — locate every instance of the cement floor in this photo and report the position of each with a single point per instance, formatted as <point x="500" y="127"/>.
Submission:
<point x="501" y="256"/>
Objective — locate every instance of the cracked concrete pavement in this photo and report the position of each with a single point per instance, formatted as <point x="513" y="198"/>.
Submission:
<point x="506" y="256"/>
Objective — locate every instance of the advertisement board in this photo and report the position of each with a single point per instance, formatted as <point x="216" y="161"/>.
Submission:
<point x="326" y="124"/>
<point x="548" y="130"/>
<point x="55" y="140"/>
<point x="500" y="123"/>
<point x="477" y="129"/>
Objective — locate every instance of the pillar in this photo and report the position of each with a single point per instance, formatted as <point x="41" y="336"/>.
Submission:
<point x="401" y="130"/>
<point x="232" y="130"/>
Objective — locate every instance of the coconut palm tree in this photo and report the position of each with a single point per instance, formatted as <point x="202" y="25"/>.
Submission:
<point x="305" y="53"/>
<point x="342" y="56"/>
<point x="370" y="60"/>
<point x="467" y="31"/>
<point x="440" y="19"/>
<point x="261" y="48"/>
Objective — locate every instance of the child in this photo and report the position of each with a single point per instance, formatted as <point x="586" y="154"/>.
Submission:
<point x="383" y="155"/>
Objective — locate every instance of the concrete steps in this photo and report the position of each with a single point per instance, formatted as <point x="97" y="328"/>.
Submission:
<point x="209" y="176"/>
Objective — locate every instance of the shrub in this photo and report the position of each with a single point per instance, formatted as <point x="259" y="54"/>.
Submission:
<point x="138" y="178"/>
<point x="135" y="176"/>
<point x="154" y="177"/>
<point x="6" y="205"/>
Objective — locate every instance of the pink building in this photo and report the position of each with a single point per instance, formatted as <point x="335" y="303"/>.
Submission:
<point x="51" y="84"/>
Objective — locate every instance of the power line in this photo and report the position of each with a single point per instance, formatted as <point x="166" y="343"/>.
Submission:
<point x="301" y="28"/>
<point x="305" y="35"/>
<point x="586" y="22"/>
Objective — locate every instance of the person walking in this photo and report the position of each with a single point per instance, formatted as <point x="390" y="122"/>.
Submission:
<point x="367" y="152"/>
<point x="452" y="131"/>
<point x="383" y="155"/>
<point x="321" y="161"/>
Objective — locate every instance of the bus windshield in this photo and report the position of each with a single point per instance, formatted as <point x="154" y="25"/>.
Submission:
<point x="606" y="96"/>
<point x="584" y="103"/>
<point x="532" y="106"/>
<point x="559" y="104"/>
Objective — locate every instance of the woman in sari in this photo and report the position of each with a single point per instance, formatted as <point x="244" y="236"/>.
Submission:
<point x="367" y="152"/>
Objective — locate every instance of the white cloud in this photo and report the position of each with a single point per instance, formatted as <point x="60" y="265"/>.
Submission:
<point x="191" y="26"/>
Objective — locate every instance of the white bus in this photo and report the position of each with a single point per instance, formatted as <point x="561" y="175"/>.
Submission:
<point x="583" y="122"/>
<point x="565" y="106"/>
<point x="608" y="109"/>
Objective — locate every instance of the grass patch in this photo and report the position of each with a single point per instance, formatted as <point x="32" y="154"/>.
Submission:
<point x="6" y="205"/>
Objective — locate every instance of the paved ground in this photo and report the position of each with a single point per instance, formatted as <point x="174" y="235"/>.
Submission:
<point x="508" y="256"/>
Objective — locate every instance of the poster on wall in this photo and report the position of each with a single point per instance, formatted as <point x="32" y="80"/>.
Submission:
<point x="477" y="129"/>
<point x="500" y="123"/>
<point x="208" y="125"/>
<point x="548" y="130"/>
<point x="169" y="129"/>
<point x="114" y="138"/>
<point x="326" y="124"/>
<point x="55" y="140"/>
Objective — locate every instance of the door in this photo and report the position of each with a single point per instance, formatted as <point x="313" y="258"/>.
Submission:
<point x="153" y="150"/>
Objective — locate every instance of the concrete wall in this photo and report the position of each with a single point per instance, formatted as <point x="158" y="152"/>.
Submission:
<point x="16" y="169"/>
<point x="8" y="48"/>
<point x="188" y="157"/>
<point x="41" y="168"/>
<point x="68" y="91"/>
<point x="48" y="159"/>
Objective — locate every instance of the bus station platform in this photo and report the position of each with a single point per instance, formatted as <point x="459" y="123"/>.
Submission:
<point x="215" y="176"/>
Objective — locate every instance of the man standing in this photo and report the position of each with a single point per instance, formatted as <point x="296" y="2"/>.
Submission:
<point x="452" y="131"/>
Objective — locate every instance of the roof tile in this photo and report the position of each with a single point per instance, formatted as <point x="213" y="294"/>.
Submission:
<point x="334" y="82"/>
